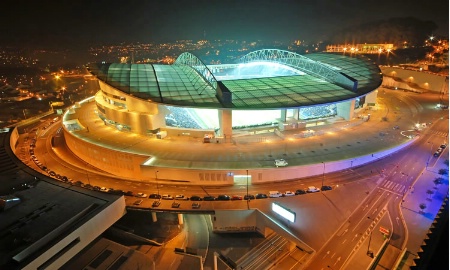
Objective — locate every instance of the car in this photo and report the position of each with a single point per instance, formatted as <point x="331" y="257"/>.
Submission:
<point x="261" y="196"/>
<point x="209" y="198"/>
<point x="129" y="193"/>
<point x="324" y="188"/>
<point x="312" y="189"/>
<point x="181" y="197"/>
<point x="249" y="197"/>
<point x="300" y="192"/>
<point x="443" y="146"/>
<point x="175" y="205"/>
<point x="280" y="162"/>
<point x="141" y="195"/>
<point x="196" y="205"/>
<point x="166" y="197"/>
<point x="288" y="193"/>
<point x="138" y="202"/>
<point x="236" y="197"/>
<point x="196" y="198"/>
<point x="154" y="196"/>
<point x="223" y="197"/>
<point x="438" y="152"/>
<point x="156" y="203"/>
<point x="274" y="194"/>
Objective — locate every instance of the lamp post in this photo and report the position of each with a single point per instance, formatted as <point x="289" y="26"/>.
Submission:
<point x="429" y="156"/>
<point x="248" y="199"/>
<point x="369" y="253"/>
<point x="157" y="187"/>
<point x="247" y="183"/>
<point x="323" y="173"/>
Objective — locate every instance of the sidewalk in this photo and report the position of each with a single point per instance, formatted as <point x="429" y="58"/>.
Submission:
<point x="419" y="221"/>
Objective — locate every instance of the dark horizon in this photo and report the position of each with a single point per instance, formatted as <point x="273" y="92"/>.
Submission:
<point x="78" y="23"/>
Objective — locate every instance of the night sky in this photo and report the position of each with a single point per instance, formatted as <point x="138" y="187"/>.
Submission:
<point x="99" y="21"/>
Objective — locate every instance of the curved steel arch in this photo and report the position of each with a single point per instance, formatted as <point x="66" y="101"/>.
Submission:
<point x="301" y="63"/>
<point x="189" y="59"/>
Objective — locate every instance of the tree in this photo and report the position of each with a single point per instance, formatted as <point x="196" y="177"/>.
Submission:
<point x="443" y="171"/>
<point x="422" y="206"/>
<point x="438" y="181"/>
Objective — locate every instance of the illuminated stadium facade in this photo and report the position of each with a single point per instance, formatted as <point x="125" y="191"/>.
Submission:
<point x="265" y="88"/>
<point x="167" y="112"/>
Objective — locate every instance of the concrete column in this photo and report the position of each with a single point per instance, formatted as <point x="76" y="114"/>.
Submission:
<point x="154" y="218"/>
<point x="180" y="219"/>
<point x="226" y="123"/>
<point x="372" y="97"/>
<point x="346" y="109"/>
<point x="283" y="113"/>
<point x="296" y="113"/>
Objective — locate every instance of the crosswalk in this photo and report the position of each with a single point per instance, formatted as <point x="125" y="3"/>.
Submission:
<point x="442" y="134"/>
<point x="394" y="187"/>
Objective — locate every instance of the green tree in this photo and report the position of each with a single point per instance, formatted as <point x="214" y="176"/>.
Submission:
<point x="422" y="206"/>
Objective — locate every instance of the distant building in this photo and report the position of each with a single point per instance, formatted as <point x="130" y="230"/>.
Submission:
<point x="361" y="48"/>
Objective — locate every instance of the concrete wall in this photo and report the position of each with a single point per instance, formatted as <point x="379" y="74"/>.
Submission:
<point x="228" y="221"/>
<point x="423" y="79"/>
<point x="109" y="160"/>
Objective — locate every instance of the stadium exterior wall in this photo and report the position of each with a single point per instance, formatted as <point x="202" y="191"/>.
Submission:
<point x="106" y="159"/>
<point x="131" y="166"/>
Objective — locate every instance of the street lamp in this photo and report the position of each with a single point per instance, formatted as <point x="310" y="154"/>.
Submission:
<point x="157" y="187"/>
<point x="247" y="183"/>
<point x="429" y="156"/>
<point x="248" y="198"/>
<point x="369" y="253"/>
<point x="323" y="173"/>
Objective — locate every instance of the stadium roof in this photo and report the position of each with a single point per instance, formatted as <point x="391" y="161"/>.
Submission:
<point x="322" y="78"/>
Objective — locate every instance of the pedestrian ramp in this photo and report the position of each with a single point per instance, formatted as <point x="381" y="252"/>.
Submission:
<point x="268" y="253"/>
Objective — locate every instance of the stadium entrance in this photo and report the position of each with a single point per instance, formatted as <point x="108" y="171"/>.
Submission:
<point x="242" y="179"/>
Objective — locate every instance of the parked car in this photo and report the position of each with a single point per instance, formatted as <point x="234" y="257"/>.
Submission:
<point x="195" y="205"/>
<point x="141" y="195"/>
<point x="261" y="196"/>
<point x="236" y="197"/>
<point x="249" y="197"/>
<point x="209" y="198"/>
<point x="274" y="194"/>
<point x="324" y="188"/>
<point x="181" y="197"/>
<point x="288" y="193"/>
<point x="280" y="162"/>
<point x="443" y="146"/>
<point x="438" y="152"/>
<point x="300" y="192"/>
<point x="138" y="202"/>
<point x="223" y="197"/>
<point x="156" y="203"/>
<point x="196" y="198"/>
<point x="312" y="189"/>
<point x="154" y="196"/>
<point x="175" y="205"/>
<point x="167" y="197"/>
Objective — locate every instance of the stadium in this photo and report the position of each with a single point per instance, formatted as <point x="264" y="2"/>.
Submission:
<point x="265" y="92"/>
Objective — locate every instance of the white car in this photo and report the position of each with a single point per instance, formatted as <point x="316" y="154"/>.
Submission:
<point x="288" y="193"/>
<point x="166" y="197"/>
<point x="312" y="189"/>
<point x="280" y="162"/>
<point x="181" y="197"/>
<point x="141" y="195"/>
